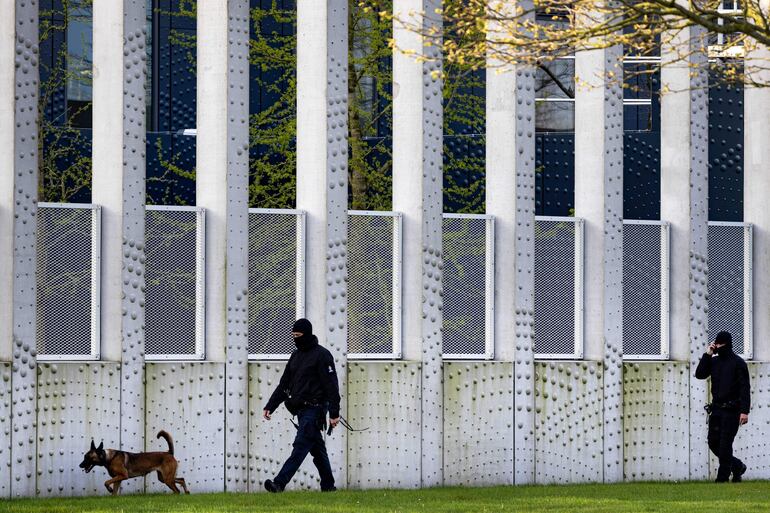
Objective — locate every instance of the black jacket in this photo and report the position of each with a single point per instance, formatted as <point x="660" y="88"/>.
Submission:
<point x="729" y="379"/>
<point x="309" y="378"/>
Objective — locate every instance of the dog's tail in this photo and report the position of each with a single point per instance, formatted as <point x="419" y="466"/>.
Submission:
<point x="169" y="441"/>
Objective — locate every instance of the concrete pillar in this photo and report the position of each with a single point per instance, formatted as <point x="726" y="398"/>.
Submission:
<point x="684" y="204"/>
<point x="7" y="177"/>
<point x="599" y="200"/>
<point x="222" y="181"/>
<point x="119" y="64"/>
<point x="18" y="211"/>
<point x="322" y="182"/>
<point x="756" y="189"/>
<point x="510" y="197"/>
<point x="417" y="193"/>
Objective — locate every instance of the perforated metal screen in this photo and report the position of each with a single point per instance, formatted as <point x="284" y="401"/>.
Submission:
<point x="468" y="294"/>
<point x="68" y="245"/>
<point x="558" y="287"/>
<point x="174" y="282"/>
<point x="374" y="257"/>
<point x="645" y="289"/>
<point x="276" y="280"/>
<point x="729" y="283"/>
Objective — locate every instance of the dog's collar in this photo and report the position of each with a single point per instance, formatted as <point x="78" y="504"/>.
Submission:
<point x="109" y="454"/>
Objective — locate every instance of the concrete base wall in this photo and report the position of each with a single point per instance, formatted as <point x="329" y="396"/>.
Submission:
<point x="78" y="402"/>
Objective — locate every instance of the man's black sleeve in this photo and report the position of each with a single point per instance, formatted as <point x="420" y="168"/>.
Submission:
<point x="744" y="388"/>
<point x="703" y="370"/>
<point x="279" y="395"/>
<point x="328" y="376"/>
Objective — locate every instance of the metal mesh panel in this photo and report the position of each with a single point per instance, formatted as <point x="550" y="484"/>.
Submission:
<point x="370" y="284"/>
<point x="555" y="267"/>
<point x="726" y="282"/>
<point x="641" y="289"/>
<point x="65" y="252"/>
<point x="272" y="282"/>
<point x="171" y="280"/>
<point x="464" y="285"/>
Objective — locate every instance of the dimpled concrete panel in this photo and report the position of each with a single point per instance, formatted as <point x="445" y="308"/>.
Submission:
<point x="322" y="178"/>
<point x="237" y="345"/>
<point x="5" y="429"/>
<point x="655" y="419"/>
<point x="25" y="186"/>
<point x="510" y="115"/>
<point x="270" y="442"/>
<point x="77" y="403"/>
<point x="187" y="401"/>
<point x="568" y="406"/>
<point x="335" y="339"/>
<point x="384" y="397"/>
<point x="751" y="443"/>
<point x="478" y="417"/>
<point x="613" y="267"/>
<point x="132" y="400"/>
<point x="698" y="245"/>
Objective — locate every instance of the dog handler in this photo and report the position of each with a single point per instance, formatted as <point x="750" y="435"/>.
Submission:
<point x="308" y="387"/>
<point x="730" y="402"/>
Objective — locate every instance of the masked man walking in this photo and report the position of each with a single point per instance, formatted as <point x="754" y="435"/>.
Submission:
<point x="309" y="388"/>
<point x="730" y="402"/>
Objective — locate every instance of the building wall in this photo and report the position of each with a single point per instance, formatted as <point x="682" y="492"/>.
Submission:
<point x="447" y="422"/>
<point x="77" y="403"/>
<point x="174" y="97"/>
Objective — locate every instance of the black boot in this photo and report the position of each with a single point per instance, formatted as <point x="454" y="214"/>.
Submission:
<point x="738" y="474"/>
<point x="273" y="487"/>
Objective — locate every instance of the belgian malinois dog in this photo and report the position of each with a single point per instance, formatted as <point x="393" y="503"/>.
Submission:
<point x="122" y="465"/>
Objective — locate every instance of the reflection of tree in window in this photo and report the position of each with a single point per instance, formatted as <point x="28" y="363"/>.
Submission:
<point x="555" y="79"/>
<point x="555" y="84"/>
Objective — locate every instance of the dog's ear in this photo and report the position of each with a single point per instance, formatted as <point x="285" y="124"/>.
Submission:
<point x="101" y="446"/>
<point x="93" y="447"/>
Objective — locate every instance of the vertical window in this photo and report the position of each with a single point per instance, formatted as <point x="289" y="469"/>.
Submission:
<point x="79" y="86"/>
<point x="149" y="96"/>
<point x="555" y="96"/>
<point x="638" y="83"/>
<point x="79" y="62"/>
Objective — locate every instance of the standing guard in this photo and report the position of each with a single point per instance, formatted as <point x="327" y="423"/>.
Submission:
<point x="309" y="389"/>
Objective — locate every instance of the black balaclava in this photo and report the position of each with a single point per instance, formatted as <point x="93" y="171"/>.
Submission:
<point x="724" y="337"/>
<point x="307" y="340"/>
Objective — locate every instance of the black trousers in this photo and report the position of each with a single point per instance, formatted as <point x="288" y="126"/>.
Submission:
<point x="308" y="440"/>
<point x="723" y="426"/>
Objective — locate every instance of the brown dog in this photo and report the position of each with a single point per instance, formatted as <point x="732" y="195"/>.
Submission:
<point x="122" y="465"/>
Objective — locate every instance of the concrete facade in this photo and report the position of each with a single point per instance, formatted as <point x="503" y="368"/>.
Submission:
<point x="684" y="203"/>
<point x="511" y="420"/>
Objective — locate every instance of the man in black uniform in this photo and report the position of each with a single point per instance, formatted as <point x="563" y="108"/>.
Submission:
<point x="308" y="387"/>
<point x="730" y="402"/>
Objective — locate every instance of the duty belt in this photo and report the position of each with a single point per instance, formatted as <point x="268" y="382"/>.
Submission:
<point x="722" y="406"/>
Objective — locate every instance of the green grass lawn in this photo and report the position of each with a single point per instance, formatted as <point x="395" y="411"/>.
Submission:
<point x="621" y="498"/>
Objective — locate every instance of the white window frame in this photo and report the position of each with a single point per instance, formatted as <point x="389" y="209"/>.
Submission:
<point x="397" y="288"/>
<point x="299" y="306"/>
<point x="665" y="287"/>
<point x="748" y="293"/>
<point x="96" y="274"/>
<point x="579" y="301"/>
<point x="489" y="289"/>
<point x="200" y="285"/>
